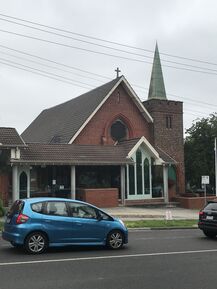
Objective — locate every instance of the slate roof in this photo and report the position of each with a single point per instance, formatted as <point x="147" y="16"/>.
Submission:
<point x="9" y="137"/>
<point x="61" y="122"/>
<point x="72" y="154"/>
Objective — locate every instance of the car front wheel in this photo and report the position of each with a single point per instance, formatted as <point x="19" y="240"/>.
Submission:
<point x="36" y="243"/>
<point x="209" y="234"/>
<point x="115" y="240"/>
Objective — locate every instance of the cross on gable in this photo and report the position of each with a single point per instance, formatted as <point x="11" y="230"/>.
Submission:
<point x="117" y="70"/>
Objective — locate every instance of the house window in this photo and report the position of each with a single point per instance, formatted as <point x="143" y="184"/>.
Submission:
<point x="169" y="121"/>
<point x="119" y="130"/>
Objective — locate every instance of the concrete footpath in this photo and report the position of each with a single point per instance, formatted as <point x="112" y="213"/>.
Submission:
<point x="138" y="213"/>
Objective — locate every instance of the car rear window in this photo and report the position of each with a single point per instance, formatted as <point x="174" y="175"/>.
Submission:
<point x="211" y="207"/>
<point x="16" y="208"/>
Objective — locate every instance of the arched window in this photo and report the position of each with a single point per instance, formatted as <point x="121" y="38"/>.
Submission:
<point x="146" y="176"/>
<point x="139" y="172"/>
<point x="119" y="130"/>
<point x="131" y="180"/>
<point x="23" y="185"/>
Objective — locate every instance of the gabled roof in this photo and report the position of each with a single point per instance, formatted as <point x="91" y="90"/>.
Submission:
<point x="157" y="88"/>
<point x="9" y="137"/>
<point x="157" y="153"/>
<point x="63" y="123"/>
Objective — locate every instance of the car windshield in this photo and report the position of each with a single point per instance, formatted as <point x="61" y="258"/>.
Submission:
<point x="16" y="208"/>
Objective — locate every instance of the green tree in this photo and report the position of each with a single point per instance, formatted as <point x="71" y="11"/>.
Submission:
<point x="199" y="151"/>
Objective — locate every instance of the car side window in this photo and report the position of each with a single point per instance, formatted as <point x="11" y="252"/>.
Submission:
<point x="37" y="207"/>
<point x="56" y="209"/>
<point x="104" y="216"/>
<point x="82" y="211"/>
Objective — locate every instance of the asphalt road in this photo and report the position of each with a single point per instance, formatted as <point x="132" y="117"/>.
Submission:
<point x="157" y="259"/>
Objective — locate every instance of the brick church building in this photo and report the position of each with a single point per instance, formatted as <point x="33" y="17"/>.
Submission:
<point x="105" y="147"/>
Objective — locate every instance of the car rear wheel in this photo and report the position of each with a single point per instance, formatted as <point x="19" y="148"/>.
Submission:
<point x="209" y="234"/>
<point x="36" y="243"/>
<point x="115" y="240"/>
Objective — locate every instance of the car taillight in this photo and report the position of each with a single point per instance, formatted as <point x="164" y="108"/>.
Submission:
<point x="22" y="219"/>
<point x="201" y="214"/>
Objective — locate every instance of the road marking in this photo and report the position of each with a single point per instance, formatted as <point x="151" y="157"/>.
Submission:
<point x="164" y="238"/>
<point x="106" y="257"/>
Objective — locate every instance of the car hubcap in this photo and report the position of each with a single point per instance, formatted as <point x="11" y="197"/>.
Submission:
<point x="116" y="240"/>
<point x="36" y="243"/>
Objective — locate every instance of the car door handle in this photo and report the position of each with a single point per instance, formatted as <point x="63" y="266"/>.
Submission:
<point x="48" y="221"/>
<point x="78" y="224"/>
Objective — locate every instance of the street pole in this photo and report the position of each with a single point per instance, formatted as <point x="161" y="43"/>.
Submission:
<point x="215" y="169"/>
<point x="205" y="195"/>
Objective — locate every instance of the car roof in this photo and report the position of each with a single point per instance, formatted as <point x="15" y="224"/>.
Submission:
<point x="46" y="199"/>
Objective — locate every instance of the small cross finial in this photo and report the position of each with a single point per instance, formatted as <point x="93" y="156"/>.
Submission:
<point x="117" y="71"/>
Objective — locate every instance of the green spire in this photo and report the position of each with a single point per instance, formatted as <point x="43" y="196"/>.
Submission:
<point x="157" y="88"/>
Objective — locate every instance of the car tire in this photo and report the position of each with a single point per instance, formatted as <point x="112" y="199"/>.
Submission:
<point x="36" y="243"/>
<point x="115" y="240"/>
<point x="209" y="234"/>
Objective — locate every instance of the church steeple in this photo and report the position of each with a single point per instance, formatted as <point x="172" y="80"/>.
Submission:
<point x="157" y="88"/>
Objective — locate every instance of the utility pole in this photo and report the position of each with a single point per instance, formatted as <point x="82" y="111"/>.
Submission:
<point x="215" y="169"/>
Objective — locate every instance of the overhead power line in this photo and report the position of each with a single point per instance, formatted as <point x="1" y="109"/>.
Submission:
<point x="106" y="41"/>
<point x="44" y="73"/>
<point x="99" y="52"/>
<point x="52" y="61"/>
<point x="64" y="79"/>
<point x="108" y="47"/>
<point x="189" y="100"/>
<point x="49" y="66"/>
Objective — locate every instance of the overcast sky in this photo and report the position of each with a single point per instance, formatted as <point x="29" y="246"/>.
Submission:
<point x="76" y="60"/>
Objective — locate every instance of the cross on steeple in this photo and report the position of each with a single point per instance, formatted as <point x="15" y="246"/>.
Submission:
<point x="117" y="70"/>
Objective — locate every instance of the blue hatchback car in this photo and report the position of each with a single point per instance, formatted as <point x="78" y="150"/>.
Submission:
<point x="39" y="223"/>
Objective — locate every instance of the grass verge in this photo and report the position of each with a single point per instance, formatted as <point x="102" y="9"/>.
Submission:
<point x="161" y="223"/>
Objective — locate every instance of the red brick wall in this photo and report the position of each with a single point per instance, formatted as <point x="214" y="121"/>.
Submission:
<point x="103" y="198"/>
<point x="194" y="202"/>
<point x="97" y="131"/>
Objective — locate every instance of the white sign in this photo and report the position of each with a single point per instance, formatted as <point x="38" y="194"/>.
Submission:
<point x="205" y="180"/>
